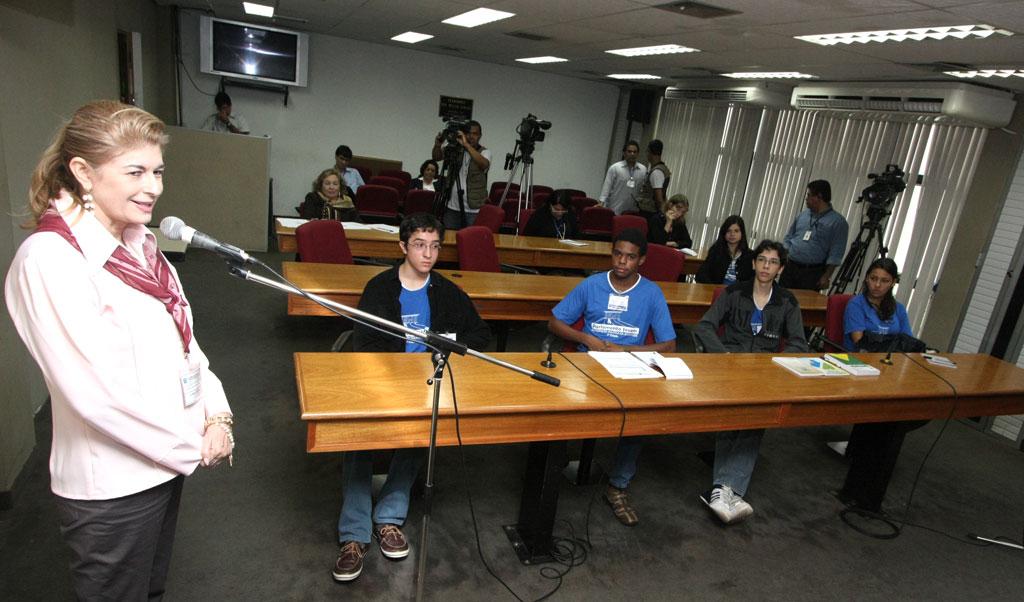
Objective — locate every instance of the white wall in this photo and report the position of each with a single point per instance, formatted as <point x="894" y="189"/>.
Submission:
<point x="382" y="101"/>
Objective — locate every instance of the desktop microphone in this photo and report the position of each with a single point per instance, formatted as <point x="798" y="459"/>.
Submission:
<point x="175" y="229"/>
<point x="546" y="346"/>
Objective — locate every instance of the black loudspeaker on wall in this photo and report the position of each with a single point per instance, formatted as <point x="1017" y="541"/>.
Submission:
<point x="641" y="105"/>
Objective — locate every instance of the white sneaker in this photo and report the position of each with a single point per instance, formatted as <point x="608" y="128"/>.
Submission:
<point x="727" y="506"/>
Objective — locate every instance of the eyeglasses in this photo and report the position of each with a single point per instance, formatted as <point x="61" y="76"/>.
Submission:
<point x="421" y="246"/>
<point x="762" y="260"/>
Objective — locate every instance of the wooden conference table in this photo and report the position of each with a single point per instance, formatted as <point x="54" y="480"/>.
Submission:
<point x="361" y="401"/>
<point x="531" y="251"/>
<point x="505" y="296"/>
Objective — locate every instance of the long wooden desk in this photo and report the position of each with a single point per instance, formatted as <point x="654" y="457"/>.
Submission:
<point x="506" y="296"/>
<point x="532" y="251"/>
<point x="380" y="401"/>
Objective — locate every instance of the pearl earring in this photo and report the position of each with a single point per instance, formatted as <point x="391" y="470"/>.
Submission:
<point x="87" y="201"/>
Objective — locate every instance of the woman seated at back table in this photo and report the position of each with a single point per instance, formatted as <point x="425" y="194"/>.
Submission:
<point x="327" y="200"/>
<point x="875" y="313"/>
<point x="729" y="259"/>
<point x="555" y="219"/>
<point x="669" y="227"/>
<point x="428" y="179"/>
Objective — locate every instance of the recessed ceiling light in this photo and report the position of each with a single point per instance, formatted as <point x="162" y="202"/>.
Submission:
<point x="479" y="16"/>
<point x="985" y="73"/>
<point x="633" y="76"/>
<point x="770" y="75"/>
<point x="536" y="60"/>
<point x="651" y="50"/>
<point x="902" y="35"/>
<point x="411" y="37"/>
<point x="260" y="10"/>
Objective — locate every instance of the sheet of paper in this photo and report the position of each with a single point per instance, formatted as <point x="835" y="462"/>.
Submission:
<point x="384" y="228"/>
<point x="572" y="243"/>
<point x="624" y="365"/>
<point x="674" y="368"/>
<point x="291" y="222"/>
<point x="354" y="226"/>
<point x="688" y="251"/>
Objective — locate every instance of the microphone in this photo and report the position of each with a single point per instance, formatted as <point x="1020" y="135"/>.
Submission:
<point x="546" y="346"/>
<point x="175" y="229"/>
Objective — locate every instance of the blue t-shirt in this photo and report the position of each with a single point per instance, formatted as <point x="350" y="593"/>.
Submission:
<point x="415" y="314"/>
<point x="730" y="272"/>
<point x="756" y="320"/>
<point x="860" y="316"/>
<point x="620" y="318"/>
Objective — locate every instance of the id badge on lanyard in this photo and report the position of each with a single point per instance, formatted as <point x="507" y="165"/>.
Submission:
<point x="191" y="381"/>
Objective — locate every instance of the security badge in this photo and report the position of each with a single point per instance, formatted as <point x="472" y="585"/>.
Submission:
<point x="807" y="235"/>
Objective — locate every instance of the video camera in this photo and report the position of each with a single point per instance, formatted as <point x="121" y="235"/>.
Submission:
<point x="885" y="186"/>
<point x="452" y="127"/>
<point x="531" y="130"/>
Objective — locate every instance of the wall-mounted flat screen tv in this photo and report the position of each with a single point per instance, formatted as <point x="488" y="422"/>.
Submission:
<point x="255" y="52"/>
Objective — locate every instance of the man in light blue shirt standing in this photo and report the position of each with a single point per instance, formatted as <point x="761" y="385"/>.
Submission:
<point x="623" y="181"/>
<point x="816" y="241"/>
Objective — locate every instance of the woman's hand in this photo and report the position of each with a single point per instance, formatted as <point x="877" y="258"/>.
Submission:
<point x="217" y="442"/>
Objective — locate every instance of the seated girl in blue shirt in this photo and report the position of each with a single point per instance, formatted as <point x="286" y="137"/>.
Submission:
<point x="875" y="310"/>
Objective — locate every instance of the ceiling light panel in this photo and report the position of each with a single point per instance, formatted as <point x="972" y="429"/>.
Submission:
<point x="636" y="76"/>
<point x="652" y="50"/>
<point x="411" y="37"/>
<point x="770" y="75"/>
<point x="477" y="17"/>
<point x="903" y="35"/>
<point x="260" y="10"/>
<point x="537" y="60"/>
<point x="987" y="73"/>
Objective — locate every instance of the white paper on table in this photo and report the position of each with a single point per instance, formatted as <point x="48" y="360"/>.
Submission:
<point x="674" y="368"/>
<point x="572" y="243"/>
<point x="621" y="364"/>
<point x="688" y="251"/>
<point x="291" y="222"/>
<point x="354" y="226"/>
<point x="384" y="228"/>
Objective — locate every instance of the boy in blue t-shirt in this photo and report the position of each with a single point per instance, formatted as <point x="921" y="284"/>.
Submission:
<point x="618" y="309"/>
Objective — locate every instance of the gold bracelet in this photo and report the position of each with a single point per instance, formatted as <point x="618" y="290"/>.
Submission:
<point x="228" y="431"/>
<point x="227" y="419"/>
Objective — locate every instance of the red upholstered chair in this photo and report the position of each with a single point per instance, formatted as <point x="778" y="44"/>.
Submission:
<point x="624" y="222"/>
<point x="490" y="217"/>
<point x="419" y="201"/>
<point x="404" y="176"/>
<point x="581" y="203"/>
<point x="476" y="249"/>
<point x="538" y="189"/>
<point x="576" y="194"/>
<point x="324" y="241"/>
<point x="539" y="199"/>
<point x="835" y="310"/>
<point x="596" y="223"/>
<point x="510" y="208"/>
<point x="398" y="184"/>
<point x="663" y="263"/>
<point x="365" y="172"/>
<point x="524" y="218"/>
<point x="377" y="203"/>
<point x="498" y="188"/>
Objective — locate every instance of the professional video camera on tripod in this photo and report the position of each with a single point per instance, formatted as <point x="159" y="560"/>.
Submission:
<point x="451" y="165"/>
<point x="530" y="131"/>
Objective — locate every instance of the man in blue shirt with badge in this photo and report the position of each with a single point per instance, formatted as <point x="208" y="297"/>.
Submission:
<point x="420" y="298"/>
<point x="618" y="308"/>
<point x="816" y="241"/>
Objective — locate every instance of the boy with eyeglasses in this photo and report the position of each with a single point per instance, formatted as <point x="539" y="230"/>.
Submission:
<point x="759" y="316"/>
<point x="410" y="293"/>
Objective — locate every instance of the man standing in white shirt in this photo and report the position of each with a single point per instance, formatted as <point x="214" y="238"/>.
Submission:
<point x="472" y="177"/>
<point x="623" y="181"/>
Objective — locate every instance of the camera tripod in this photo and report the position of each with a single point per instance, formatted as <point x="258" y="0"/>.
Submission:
<point x="522" y="154"/>
<point x="452" y="166"/>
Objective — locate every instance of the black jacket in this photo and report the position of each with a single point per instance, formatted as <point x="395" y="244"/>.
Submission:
<point x="712" y="271"/>
<point x="543" y="224"/>
<point x="450" y="311"/>
<point x="733" y="310"/>
<point x="656" y="232"/>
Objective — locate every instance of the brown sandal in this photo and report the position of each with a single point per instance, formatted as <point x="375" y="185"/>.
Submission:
<point x="618" y="499"/>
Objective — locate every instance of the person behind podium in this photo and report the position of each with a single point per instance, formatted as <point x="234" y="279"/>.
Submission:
<point x="618" y="308"/>
<point x="555" y="219"/>
<point x="414" y="295"/>
<point x="759" y="316"/>
<point x="135" y="405"/>
<point x="223" y="120"/>
<point x="729" y="259"/>
<point x="875" y="312"/>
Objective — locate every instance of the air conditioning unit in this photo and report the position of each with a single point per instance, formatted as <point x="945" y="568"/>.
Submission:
<point x="960" y="102"/>
<point x="762" y="95"/>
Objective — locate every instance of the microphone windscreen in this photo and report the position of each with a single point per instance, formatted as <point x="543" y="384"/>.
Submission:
<point x="171" y="227"/>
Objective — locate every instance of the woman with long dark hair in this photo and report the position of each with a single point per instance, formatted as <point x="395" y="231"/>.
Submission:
<point x="729" y="259"/>
<point x="875" y="310"/>
<point x="554" y="219"/>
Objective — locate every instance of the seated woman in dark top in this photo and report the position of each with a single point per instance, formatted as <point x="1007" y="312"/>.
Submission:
<point x="428" y="179"/>
<point x="729" y="259"/>
<point x="327" y="200"/>
<point x="669" y="227"/>
<point x="555" y="219"/>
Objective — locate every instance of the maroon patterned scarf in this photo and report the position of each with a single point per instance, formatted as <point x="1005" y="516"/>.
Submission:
<point x="156" y="282"/>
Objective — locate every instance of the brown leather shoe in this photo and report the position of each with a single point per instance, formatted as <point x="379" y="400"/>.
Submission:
<point x="392" y="541"/>
<point x="619" y="501"/>
<point x="350" y="561"/>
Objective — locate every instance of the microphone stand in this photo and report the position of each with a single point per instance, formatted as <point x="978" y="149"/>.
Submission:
<point x="443" y="349"/>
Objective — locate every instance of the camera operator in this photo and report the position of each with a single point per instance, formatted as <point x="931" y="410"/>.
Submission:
<point x="472" y="176"/>
<point x="816" y="241"/>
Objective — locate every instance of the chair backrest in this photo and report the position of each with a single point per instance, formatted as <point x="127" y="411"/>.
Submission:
<point x="576" y="193"/>
<point x="597" y="221"/>
<point x="404" y="176"/>
<point x="624" y="222"/>
<point x="524" y="218"/>
<point x="377" y="200"/>
<point x="419" y="201"/>
<point x="490" y="217"/>
<point x="581" y="203"/>
<point x="365" y="172"/>
<point x="540" y="198"/>
<point x="538" y="189"/>
<point x="477" y="253"/>
<point x="323" y="241"/>
<point x="398" y="184"/>
<point x="663" y="263"/>
<point x="498" y="188"/>
<point x="835" y="309"/>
